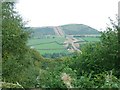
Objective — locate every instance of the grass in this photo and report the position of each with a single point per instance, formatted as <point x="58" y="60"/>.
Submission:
<point x="42" y="52"/>
<point x="48" y="45"/>
<point x="53" y="44"/>
<point x="91" y="39"/>
<point x="50" y="48"/>
<point x="45" y="40"/>
<point x="79" y="38"/>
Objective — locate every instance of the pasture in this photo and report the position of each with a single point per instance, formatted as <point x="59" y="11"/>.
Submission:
<point x="48" y="45"/>
<point x="54" y="44"/>
<point x="91" y="39"/>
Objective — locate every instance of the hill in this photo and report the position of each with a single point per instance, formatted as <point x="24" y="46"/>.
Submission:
<point x="78" y="29"/>
<point x="40" y="32"/>
<point x="69" y="29"/>
<point x="61" y="40"/>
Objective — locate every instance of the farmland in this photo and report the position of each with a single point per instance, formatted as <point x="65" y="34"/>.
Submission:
<point x="95" y="65"/>
<point x="61" y="39"/>
<point x="35" y="41"/>
<point x="88" y="39"/>
<point x="55" y="44"/>
<point x="48" y="45"/>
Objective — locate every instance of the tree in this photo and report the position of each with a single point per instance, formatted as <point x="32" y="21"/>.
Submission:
<point x="101" y="56"/>
<point x="17" y="62"/>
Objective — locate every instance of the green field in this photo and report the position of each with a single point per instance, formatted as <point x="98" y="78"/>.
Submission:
<point x="79" y="38"/>
<point x="54" y="44"/>
<point x="79" y="29"/>
<point x="48" y="45"/>
<point x="42" y="52"/>
<point x="45" y="40"/>
<point x="91" y="39"/>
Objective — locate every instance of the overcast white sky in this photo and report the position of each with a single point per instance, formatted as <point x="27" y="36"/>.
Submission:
<point x="94" y="13"/>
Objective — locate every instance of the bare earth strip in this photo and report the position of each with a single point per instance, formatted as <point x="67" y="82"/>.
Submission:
<point x="71" y="41"/>
<point x="58" y="31"/>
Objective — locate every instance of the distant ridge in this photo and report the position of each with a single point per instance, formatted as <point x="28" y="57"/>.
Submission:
<point x="79" y="29"/>
<point x="69" y="29"/>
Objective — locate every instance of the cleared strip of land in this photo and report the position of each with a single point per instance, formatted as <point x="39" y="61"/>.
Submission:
<point x="58" y="31"/>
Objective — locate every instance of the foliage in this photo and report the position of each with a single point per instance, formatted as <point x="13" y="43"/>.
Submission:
<point x="78" y="29"/>
<point x="99" y="57"/>
<point x="58" y="55"/>
<point x="11" y="85"/>
<point x="38" y="31"/>
<point x="49" y="75"/>
<point x="97" y="67"/>
<point x="111" y="81"/>
<point x="17" y="59"/>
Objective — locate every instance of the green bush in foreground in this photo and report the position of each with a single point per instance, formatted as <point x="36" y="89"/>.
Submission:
<point x="97" y="67"/>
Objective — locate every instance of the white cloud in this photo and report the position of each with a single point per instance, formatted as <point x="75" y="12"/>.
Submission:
<point x="94" y="13"/>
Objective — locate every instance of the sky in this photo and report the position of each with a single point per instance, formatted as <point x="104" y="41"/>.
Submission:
<point x="93" y="13"/>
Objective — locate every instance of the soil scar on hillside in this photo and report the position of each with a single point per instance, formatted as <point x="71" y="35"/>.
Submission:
<point x="58" y="31"/>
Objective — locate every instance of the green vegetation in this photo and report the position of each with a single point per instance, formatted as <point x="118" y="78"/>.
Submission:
<point x="98" y="65"/>
<point x="54" y="44"/>
<point x="46" y="40"/>
<point x="50" y="45"/>
<point x="78" y="29"/>
<point x="91" y="39"/>
<point x="70" y="29"/>
<point x="88" y="39"/>
<point x="18" y="60"/>
<point x="42" y="31"/>
<point x="50" y="51"/>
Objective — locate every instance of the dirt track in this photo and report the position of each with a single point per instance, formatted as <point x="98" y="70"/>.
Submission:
<point x="71" y="41"/>
<point x="58" y="31"/>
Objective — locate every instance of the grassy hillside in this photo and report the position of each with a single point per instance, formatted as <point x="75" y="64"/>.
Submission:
<point x="32" y="42"/>
<point x="39" y="32"/>
<point x="48" y="45"/>
<point x="45" y="40"/>
<point x="69" y="29"/>
<point x="78" y="29"/>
